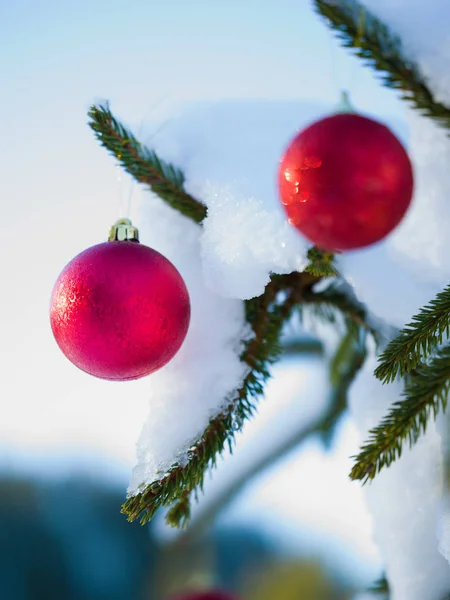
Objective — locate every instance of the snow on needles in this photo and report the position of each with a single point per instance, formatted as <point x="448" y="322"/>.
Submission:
<point x="411" y="510"/>
<point x="404" y="499"/>
<point x="195" y="385"/>
<point x="229" y="153"/>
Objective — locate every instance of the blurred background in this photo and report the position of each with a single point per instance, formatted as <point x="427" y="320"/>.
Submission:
<point x="279" y="518"/>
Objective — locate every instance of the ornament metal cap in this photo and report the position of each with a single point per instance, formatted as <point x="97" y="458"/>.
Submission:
<point x="344" y="106"/>
<point x="122" y="231"/>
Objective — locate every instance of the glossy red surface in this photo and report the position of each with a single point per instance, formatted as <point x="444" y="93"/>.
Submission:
<point x="345" y="182"/>
<point x="120" y="310"/>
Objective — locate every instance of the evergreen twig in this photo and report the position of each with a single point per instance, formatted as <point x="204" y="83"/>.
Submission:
<point x="347" y="361"/>
<point x="381" y="587"/>
<point x="143" y="164"/>
<point x="372" y="41"/>
<point x="324" y="426"/>
<point x="424" y="396"/>
<point x="266" y="314"/>
<point x="321" y="263"/>
<point x="339" y="297"/>
<point x="417" y="340"/>
<point x="344" y="366"/>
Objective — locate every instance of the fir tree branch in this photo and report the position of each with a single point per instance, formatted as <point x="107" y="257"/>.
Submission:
<point x="425" y="395"/>
<point x="357" y="28"/>
<point x="381" y="587"/>
<point x="417" y="340"/>
<point x="347" y="361"/>
<point x="143" y="164"/>
<point x="302" y="346"/>
<point x="339" y="297"/>
<point x="266" y="315"/>
<point x="321" y="263"/>
<point x="323" y="426"/>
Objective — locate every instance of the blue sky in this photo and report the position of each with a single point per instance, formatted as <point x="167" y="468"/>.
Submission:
<point x="59" y="191"/>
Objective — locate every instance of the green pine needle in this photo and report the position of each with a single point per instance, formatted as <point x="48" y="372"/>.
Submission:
<point x="426" y="391"/>
<point x="266" y="315"/>
<point x="343" y="353"/>
<point x="425" y="395"/>
<point x="347" y="361"/>
<point x="180" y="513"/>
<point x="417" y="340"/>
<point x="321" y="263"/>
<point x="339" y="298"/>
<point x="381" y="587"/>
<point x="143" y="164"/>
<point x="372" y="41"/>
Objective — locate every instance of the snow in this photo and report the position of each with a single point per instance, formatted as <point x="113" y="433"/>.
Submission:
<point x="295" y="484"/>
<point x="423" y="30"/>
<point x="411" y="512"/>
<point x="229" y="152"/>
<point x="195" y="385"/>
<point x="293" y="400"/>
<point x="235" y="261"/>
<point x="405" y="499"/>
<point x="443" y="525"/>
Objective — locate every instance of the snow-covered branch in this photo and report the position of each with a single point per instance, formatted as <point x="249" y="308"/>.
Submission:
<point x="144" y="164"/>
<point x="373" y="41"/>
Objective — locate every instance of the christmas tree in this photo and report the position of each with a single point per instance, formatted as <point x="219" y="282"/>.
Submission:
<point x="394" y="377"/>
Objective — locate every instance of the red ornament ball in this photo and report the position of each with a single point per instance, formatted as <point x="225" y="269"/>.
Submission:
<point x="205" y="595"/>
<point x="120" y="310"/>
<point x="345" y="182"/>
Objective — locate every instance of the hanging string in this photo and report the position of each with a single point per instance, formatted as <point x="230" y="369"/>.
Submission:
<point x="120" y="195"/>
<point x="125" y="204"/>
<point x="333" y="61"/>
<point x="355" y="64"/>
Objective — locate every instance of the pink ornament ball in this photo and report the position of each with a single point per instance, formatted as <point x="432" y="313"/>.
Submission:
<point x="120" y="310"/>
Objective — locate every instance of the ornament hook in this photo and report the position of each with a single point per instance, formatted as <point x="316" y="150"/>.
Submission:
<point x="123" y="230"/>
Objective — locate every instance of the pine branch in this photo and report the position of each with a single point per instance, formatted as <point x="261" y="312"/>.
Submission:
<point x="339" y="297"/>
<point x="347" y="361"/>
<point x="381" y="587"/>
<point x="323" y="426"/>
<point x="321" y="263"/>
<point x="302" y="346"/>
<point x="425" y="395"/>
<point x="143" y="164"/>
<point x="357" y="28"/>
<point x="417" y="340"/>
<point x="266" y="315"/>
